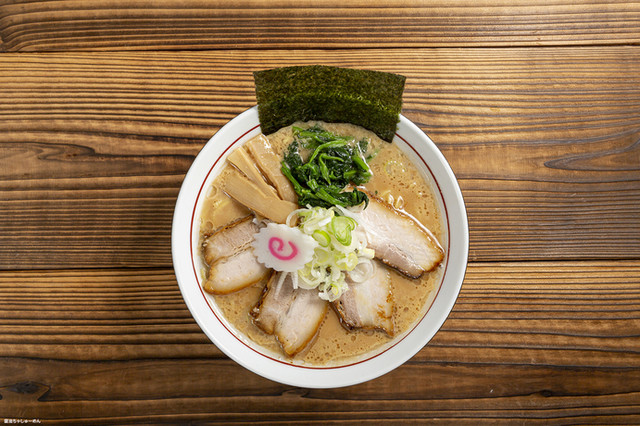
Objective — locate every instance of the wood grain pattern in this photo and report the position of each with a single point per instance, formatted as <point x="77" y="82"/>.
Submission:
<point x="249" y="24"/>
<point x="95" y="146"/>
<point x="555" y="342"/>
<point x="104" y="104"/>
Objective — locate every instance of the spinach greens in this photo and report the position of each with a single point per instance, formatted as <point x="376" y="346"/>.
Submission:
<point x="334" y="163"/>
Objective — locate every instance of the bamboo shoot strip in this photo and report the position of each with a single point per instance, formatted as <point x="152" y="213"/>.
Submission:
<point x="247" y="193"/>
<point x="269" y="164"/>
<point x="243" y="162"/>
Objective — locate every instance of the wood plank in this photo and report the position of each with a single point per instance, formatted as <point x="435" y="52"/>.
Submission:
<point x="219" y="390"/>
<point x="548" y="342"/>
<point x="547" y="310"/>
<point x="95" y="145"/>
<point x="40" y="25"/>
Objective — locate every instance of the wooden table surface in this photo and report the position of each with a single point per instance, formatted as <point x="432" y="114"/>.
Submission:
<point x="105" y="103"/>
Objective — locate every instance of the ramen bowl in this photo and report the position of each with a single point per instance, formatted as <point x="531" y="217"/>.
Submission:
<point x="188" y="264"/>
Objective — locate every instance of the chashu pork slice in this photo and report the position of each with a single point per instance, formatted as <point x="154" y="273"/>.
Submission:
<point x="399" y="240"/>
<point x="293" y="315"/>
<point x="229" y="239"/>
<point x="274" y="303"/>
<point x="232" y="264"/>
<point x="368" y="304"/>
<point x="235" y="272"/>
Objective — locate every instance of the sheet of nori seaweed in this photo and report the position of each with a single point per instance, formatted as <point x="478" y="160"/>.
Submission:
<point x="371" y="99"/>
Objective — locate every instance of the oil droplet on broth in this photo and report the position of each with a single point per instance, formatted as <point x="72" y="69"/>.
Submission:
<point x="394" y="168"/>
<point x="212" y="191"/>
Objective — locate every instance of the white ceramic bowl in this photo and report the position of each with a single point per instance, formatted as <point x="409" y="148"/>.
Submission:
<point x="187" y="263"/>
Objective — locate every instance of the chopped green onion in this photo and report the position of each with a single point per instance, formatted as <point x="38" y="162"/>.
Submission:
<point x="322" y="237"/>
<point x="342" y="247"/>
<point x="342" y="227"/>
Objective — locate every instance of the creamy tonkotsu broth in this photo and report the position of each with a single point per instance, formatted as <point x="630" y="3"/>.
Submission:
<point x="395" y="180"/>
